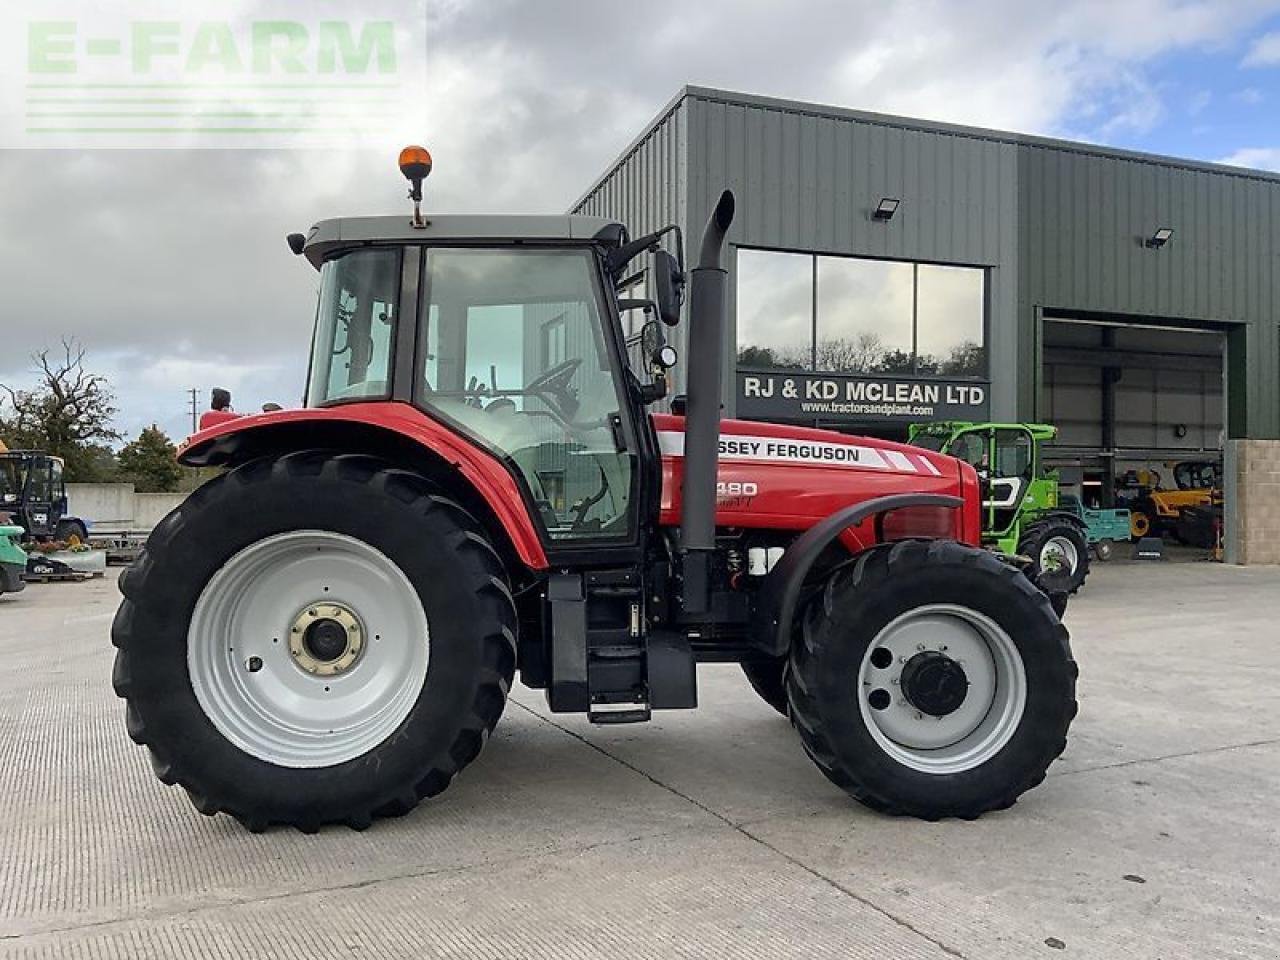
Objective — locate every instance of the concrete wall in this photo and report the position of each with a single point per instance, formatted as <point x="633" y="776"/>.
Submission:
<point x="110" y="507"/>
<point x="1256" y="509"/>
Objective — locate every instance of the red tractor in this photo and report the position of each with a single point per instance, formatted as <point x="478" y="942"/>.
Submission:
<point x="327" y="632"/>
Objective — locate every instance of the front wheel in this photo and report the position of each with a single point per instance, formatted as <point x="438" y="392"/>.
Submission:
<point x="1139" y="524"/>
<point x="1059" y="555"/>
<point x="314" y="639"/>
<point x="67" y="529"/>
<point x="932" y="680"/>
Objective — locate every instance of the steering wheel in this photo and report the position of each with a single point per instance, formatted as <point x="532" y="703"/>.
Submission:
<point x="556" y="380"/>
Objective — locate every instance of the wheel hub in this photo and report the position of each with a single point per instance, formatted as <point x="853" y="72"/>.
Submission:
<point x="1059" y="556"/>
<point x="934" y="683"/>
<point x="325" y="639"/>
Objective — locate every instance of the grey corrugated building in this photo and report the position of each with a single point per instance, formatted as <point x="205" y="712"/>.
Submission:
<point x="1130" y="299"/>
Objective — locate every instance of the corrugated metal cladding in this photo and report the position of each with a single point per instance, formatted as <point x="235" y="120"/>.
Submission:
<point x="1083" y="223"/>
<point x="1059" y="226"/>
<point x="646" y="187"/>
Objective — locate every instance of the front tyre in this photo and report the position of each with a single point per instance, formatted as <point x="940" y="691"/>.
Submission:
<point x="67" y="529"/>
<point x="314" y="639"/>
<point x="1059" y="555"/>
<point x="931" y="680"/>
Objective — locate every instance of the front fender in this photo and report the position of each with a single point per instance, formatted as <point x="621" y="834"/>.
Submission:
<point x="397" y="431"/>
<point x="780" y="592"/>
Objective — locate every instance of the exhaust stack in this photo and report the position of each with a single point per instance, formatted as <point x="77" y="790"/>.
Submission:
<point x="702" y="420"/>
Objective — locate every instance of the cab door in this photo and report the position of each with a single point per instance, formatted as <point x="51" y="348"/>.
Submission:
<point x="518" y="349"/>
<point x="57" y="495"/>
<point x="1004" y="458"/>
<point x="40" y="496"/>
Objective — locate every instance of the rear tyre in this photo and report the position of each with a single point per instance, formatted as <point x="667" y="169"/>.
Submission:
<point x="767" y="679"/>
<point x="314" y="639"/>
<point x="1059" y="555"/>
<point x="932" y="680"/>
<point x="1104" y="550"/>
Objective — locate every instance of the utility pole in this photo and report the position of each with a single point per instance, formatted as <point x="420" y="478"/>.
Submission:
<point x="194" y="415"/>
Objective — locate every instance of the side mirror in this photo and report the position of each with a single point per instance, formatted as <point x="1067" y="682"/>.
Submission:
<point x="660" y="357"/>
<point x="668" y="287"/>
<point x="660" y="354"/>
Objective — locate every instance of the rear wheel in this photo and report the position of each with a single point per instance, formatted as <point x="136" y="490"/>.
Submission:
<point x="932" y="680"/>
<point x="314" y="639"/>
<point x="767" y="679"/>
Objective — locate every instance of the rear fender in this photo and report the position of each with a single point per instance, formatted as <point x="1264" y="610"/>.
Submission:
<point x="397" y="432"/>
<point x="780" y="593"/>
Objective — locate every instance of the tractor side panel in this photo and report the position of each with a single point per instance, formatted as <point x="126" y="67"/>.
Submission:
<point x="789" y="478"/>
<point x="480" y="468"/>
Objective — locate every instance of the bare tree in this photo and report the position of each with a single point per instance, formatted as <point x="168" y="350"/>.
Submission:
<point x="856" y="354"/>
<point x="69" y="411"/>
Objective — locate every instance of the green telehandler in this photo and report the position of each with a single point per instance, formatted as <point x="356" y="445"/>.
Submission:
<point x="13" y="560"/>
<point x="1021" y="515"/>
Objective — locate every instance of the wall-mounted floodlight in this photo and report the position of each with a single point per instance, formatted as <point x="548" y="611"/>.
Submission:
<point x="885" y="209"/>
<point x="1159" y="238"/>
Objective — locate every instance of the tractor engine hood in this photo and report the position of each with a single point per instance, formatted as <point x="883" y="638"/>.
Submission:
<point x="789" y="478"/>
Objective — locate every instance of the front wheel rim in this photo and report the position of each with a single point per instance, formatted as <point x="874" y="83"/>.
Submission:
<point x="1059" y="555"/>
<point x="276" y="705"/>
<point x="992" y="708"/>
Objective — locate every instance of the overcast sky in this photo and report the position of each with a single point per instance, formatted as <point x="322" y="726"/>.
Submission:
<point x="171" y="267"/>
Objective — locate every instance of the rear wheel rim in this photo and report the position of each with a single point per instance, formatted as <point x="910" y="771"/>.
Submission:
<point x="1059" y="555"/>
<point x="290" y="703"/>
<point x="967" y="736"/>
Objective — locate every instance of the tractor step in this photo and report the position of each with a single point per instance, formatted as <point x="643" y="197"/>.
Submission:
<point x="628" y="713"/>
<point x="602" y="663"/>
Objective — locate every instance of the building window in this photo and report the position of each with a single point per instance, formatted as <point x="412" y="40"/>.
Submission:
<point x="553" y="342"/>
<point x="856" y="315"/>
<point x="864" y="315"/>
<point x="775" y="309"/>
<point x="949" y="313"/>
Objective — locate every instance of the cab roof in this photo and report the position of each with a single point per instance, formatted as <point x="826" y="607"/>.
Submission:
<point x="328" y="236"/>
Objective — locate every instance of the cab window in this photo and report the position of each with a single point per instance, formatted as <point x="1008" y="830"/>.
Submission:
<point x="971" y="448"/>
<point x="515" y="356"/>
<point x="1013" y="453"/>
<point x="355" y="324"/>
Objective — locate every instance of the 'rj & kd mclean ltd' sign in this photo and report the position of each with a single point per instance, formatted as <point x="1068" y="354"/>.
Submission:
<point x="797" y="395"/>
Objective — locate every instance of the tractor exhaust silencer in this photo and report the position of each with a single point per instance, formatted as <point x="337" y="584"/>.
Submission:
<point x="702" y="420"/>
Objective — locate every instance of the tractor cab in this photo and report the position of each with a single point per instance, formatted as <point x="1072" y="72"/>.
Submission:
<point x="1007" y="459"/>
<point x="1021" y="514"/>
<point x="514" y="345"/>
<point x="32" y="492"/>
<point x="1198" y="475"/>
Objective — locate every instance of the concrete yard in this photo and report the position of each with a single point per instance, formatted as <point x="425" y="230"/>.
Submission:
<point x="704" y="834"/>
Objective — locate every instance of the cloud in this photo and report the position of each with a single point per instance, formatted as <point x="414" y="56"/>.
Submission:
<point x="1255" y="158"/>
<point x="1263" y="52"/>
<point x="172" y="264"/>
<point x="1249" y="95"/>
